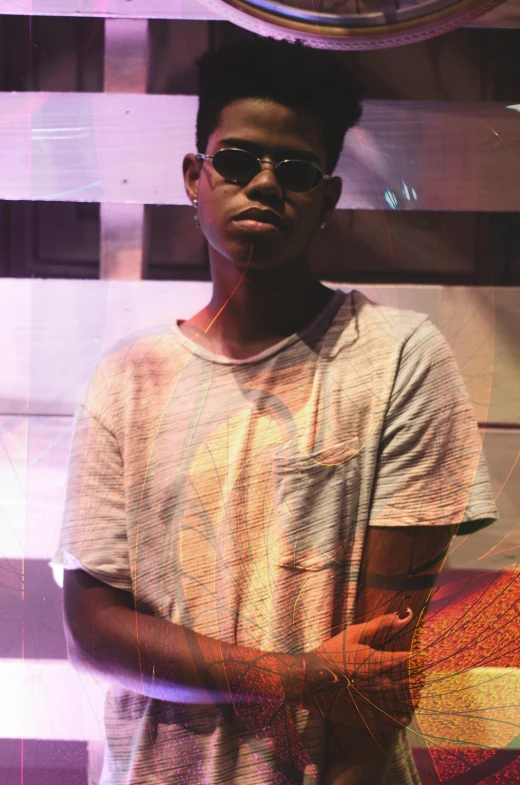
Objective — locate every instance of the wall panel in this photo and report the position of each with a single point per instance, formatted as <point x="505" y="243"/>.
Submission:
<point x="129" y="148"/>
<point x="139" y="9"/>
<point x="406" y="163"/>
<point x="54" y="332"/>
<point x="507" y="16"/>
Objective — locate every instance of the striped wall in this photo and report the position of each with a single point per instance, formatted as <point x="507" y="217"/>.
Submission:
<point x="406" y="155"/>
<point x="56" y="331"/>
<point x="123" y="148"/>
<point x="506" y="15"/>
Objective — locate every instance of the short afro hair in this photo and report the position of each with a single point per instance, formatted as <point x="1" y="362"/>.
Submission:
<point x="292" y="74"/>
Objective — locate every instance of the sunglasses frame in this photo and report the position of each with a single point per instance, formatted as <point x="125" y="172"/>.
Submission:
<point x="203" y="157"/>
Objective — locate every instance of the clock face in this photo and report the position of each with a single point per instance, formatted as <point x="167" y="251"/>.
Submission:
<point x="351" y="24"/>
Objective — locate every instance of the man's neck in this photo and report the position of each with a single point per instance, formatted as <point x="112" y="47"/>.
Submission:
<point x="257" y="314"/>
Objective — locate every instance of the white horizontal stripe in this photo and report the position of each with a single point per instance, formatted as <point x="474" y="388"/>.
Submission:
<point x="54" y="130"/>
<point x="454" y="156"/>
<point x="54" y="332"/>
<point x="506" y="15"/>
<point x="140" y="9"/>
<point x="55" y="137"/>
<point x="50" y="700"/>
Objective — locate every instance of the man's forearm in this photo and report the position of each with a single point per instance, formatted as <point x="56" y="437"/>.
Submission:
<point x="154" y="657"/>
<point x="151" y="656"/>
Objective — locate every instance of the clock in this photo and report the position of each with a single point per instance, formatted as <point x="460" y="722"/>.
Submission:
<point x="350" y="24"/>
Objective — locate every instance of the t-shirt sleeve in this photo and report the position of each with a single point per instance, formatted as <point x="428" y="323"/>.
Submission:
<point x="94" y="532"/>
<point x="431" y="469"/>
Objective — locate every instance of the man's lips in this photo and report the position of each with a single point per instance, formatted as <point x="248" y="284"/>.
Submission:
<point x="257" y="215"/>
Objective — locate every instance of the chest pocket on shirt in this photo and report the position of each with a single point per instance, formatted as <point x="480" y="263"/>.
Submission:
<point x="316" y="508"/>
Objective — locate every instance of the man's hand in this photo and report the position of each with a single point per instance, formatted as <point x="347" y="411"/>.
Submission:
<point x="351" y="681"/>
<point x="398" y="570"/>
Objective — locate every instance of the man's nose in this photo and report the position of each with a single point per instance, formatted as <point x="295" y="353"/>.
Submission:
<point x="266" y="178"/>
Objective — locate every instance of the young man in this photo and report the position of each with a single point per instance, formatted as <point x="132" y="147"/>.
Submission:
<point x="260" y="496"/>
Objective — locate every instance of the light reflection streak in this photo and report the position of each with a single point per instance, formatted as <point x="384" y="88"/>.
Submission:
<point x="360" y="141"/>
<point x="501" y="138"/>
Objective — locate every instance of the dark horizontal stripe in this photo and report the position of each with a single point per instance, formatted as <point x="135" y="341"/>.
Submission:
<point x="37" y="619"/>
<point x="499" y="426"/>
<point x="398" y="582"/>
<point x="32" y="624"/>
<point x="42" y="755"/>
<point x="459" y="579"/>
<point x="30" y="776"/>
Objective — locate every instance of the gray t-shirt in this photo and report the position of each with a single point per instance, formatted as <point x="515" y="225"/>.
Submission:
<point x="233" y="497"/>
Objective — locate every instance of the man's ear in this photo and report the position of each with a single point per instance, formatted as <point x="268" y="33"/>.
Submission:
<point x="191" y="172"/>
<point x="331" y="195"/>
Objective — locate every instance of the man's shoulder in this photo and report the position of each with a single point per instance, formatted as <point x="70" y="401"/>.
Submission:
<point x="381" y="324"/>
<point x="144" y="349"/>
<point x="127" y="367"/>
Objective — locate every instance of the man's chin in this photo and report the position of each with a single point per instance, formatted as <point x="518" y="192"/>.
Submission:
<point x="258" y="256"/>
<point x="259" y="263"/>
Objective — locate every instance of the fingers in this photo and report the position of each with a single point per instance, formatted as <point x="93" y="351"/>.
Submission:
<point x="380" y="630"/>
<point x="356" y="633"/>
<point x="376" y="630"/>
<point x="365" y="661"/>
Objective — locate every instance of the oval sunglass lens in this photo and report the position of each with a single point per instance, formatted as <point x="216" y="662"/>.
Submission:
<point x="299" y="175"/>
<point x="235" y="164"/>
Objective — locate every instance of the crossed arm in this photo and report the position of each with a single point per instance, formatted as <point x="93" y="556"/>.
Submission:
<point x="154" y="657"/>
<point x="398" y="571"/>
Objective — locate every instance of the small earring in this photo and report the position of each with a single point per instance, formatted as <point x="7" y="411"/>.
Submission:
<point x="196" y="216"/>
<point x="323" y="225"/>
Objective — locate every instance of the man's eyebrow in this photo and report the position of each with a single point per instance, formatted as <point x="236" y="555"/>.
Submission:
<point x="284" y="152"/>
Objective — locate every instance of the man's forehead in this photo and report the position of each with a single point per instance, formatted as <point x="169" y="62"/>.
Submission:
<point x="263" y="126"/>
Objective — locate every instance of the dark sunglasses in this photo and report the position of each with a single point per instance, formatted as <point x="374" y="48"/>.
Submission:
<point x="240" y="166"/>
